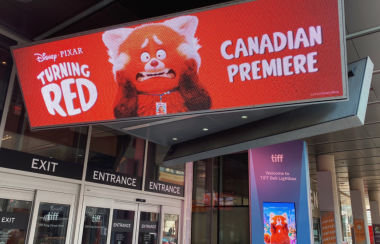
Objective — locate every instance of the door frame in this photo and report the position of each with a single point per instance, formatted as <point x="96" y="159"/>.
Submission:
<point x="172" y="210"/>
<point x="54" y="198"/>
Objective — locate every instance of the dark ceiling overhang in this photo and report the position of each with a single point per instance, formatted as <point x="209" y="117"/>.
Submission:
<point x="292" y="125"/>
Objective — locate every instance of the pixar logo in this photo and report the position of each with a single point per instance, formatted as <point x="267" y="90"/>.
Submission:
<point x="68" y="74"/>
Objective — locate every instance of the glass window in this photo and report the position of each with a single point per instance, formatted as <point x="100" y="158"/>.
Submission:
<point x="14" y="232"/>
<point x="220" y="209"/>
<point x="114" y="156"/>
<point x="6" y="63"/>
<point x="170" y="231"/>
<point x="157" y="172"/>
<point x="233" y="225"/>
<point x="122" y="226"/>
<point x="95" y="225"/>
<point x="52" y="221"/>
<point x="148" y="228"/>
<point x="234" y="180"/>
<point x="66" y="144"/>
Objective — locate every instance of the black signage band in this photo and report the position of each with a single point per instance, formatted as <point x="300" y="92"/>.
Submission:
<point x="163" y="187"/>
<point x="14" y="220"/>
<point x="12" y="159"/>
<point x="113" y="178"/>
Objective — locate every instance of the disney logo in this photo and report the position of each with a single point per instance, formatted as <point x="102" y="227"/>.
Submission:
<point x="43" y="57"/>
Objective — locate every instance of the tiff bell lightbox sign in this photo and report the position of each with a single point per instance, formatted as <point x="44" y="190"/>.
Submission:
<point x="246" y="55"/>
<point x="279" y="187"/>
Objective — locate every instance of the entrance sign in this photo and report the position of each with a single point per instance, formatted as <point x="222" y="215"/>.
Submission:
<point x="163" y="187"/>
<point x="122" y="225"/>
<point x="113" y="178"/>
<point x="280" y="194"/>
<point x="199" y="61"/>
<point x="328" y="227"/>
<point x="148" y="226"/>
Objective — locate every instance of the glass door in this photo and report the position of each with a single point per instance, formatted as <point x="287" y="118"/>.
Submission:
<point x="124" y="217"/>
<point x="15" y="210"/>
<point x="95" y="220"/>
<point x="106" y="221"/>
<point x="170" y="229"/>
<point x="149" y="223"/>
<point x="52" y="218"/>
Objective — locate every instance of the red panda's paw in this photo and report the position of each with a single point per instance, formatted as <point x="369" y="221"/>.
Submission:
<point x="126" y="101"/>
<point x="191" y="66"/>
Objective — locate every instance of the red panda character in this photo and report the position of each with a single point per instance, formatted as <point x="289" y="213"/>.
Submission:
<point x="279" y="230"/>
<point x="157" y="63"/>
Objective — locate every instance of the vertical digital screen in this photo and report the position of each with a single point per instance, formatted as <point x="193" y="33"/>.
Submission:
<point x="279" y="222"/>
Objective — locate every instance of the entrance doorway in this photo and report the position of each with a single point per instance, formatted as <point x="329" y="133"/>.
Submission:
<point x="108" y="221"/>
<point x="35" y="217"/>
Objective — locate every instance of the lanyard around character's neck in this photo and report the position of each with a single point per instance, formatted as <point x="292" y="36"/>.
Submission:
<point x="160" y="95"/>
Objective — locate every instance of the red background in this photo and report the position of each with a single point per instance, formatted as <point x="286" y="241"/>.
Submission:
<point x="215" y="26"/>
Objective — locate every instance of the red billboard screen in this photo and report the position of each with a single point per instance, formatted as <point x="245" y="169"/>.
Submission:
<point x="259" y="53"/>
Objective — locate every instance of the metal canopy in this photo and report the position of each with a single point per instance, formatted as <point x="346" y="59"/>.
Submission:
<point x="296" y="124"/>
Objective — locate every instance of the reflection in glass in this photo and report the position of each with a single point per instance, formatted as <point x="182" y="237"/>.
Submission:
<point x="20" y="209"/>
<point x="170" y="232"/>
<point x="148" y="228"/>
<point x="116" y="151"/>
<point x="220" y="200"/>
<point x="156" y="170"/>
<point x="67" y="144"/>
<point x="95" y="227"/>
<point x="52" y="221"/>
<point x="122" y="226"/>
<point x="6" y="63"/>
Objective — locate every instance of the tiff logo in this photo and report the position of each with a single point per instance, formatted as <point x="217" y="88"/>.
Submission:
<point x="277" y="157"/>
<point x="51" y="216"/>
<point x="96" y="218"/>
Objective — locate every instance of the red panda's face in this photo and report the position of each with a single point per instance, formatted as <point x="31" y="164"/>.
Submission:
<point x="154" y="62"/>
<point x="278" y="221"/>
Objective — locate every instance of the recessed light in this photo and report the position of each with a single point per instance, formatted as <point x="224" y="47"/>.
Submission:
<point x="244" y="117"/>
<point x="174" y="139"/>
<point x="4" y="62"/>
<point x="80" y="155"/>
<point x="25" y="1"/>
<point x="205" y="129"/>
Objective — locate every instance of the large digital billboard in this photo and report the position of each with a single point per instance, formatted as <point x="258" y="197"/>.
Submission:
<point x="253" y="54"/>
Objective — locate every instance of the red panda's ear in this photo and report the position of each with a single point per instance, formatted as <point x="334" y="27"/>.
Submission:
<point x="114" y="38"/>
<point x="184" y="25"/>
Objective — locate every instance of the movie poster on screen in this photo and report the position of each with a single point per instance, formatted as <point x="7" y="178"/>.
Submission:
<point x="376" y="233"/>
<point x="271" y="52"/>
<point x="328" y="227"/>
<point x="285" y="214"/>
<point x="359" y="231"/>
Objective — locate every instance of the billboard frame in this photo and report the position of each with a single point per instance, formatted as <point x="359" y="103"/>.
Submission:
<point x="343" y="53"/>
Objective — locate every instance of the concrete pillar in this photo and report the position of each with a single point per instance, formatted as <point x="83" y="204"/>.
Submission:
<point x="374" y="203"/>
<point x="359" y="211"/>
<point x="328" y="195"/>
